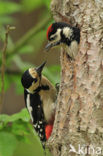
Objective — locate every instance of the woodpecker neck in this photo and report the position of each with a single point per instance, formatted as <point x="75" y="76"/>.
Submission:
<point x="44" y="84"/>
<point x="64" y="39"/>
<point x="42" y="87"/>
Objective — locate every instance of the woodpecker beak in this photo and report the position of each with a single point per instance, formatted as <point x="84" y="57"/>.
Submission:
<point x="50" y="45"/>
<point x="40" y="68"/>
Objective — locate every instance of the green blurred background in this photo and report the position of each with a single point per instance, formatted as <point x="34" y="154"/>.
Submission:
<point x="25" y="49"/>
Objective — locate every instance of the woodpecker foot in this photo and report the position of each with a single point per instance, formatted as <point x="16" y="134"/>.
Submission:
<point x="69" y="58"/>
<point x="57" y="86"/>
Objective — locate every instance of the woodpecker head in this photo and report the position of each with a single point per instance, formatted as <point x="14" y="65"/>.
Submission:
<point x="31" y="78"/>
<point x="60" y="32"/>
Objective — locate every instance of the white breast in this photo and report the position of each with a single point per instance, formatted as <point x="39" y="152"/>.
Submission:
<point x="72" y="50"/>
<point x="48" y="107"/>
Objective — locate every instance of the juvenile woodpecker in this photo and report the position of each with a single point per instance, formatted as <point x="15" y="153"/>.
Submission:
<point x="40" y="97"/>
<point x="63" y="33"/>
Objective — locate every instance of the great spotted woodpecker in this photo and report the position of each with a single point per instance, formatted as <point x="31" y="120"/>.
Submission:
<point x="40" y="97"/>
<point x="59" y="33"/>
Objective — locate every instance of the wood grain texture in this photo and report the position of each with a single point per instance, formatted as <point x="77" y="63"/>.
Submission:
<point x="79" y="115"/>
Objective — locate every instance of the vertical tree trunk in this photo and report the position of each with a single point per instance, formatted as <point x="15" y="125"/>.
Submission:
<point x="78" y="127"/>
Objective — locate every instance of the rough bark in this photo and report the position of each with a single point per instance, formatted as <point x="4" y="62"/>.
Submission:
<point x="79" y="115"/>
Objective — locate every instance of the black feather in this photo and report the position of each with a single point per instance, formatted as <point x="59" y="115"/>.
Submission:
<point x="26" y="79"/>
<point x="37" y="111"/>
<point x="37" y="114"/>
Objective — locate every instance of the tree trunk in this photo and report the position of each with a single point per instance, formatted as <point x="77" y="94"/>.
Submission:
<point x="78" y="127"/>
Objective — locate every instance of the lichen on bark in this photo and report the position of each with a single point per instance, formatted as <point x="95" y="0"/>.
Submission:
<point x="79" y="113"/>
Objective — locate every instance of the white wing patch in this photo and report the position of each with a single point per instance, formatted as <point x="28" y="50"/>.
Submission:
<point x="29" y="107"/>
<point x="67" y="32"/>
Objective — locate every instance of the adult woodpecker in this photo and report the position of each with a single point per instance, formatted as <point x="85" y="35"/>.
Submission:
<point x="40" y="97"/>
<point x="62" y="33"/>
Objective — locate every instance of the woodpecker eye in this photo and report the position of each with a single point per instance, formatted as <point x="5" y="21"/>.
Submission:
<point x="35" y="80"/>
<point x="52" y="38"/>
